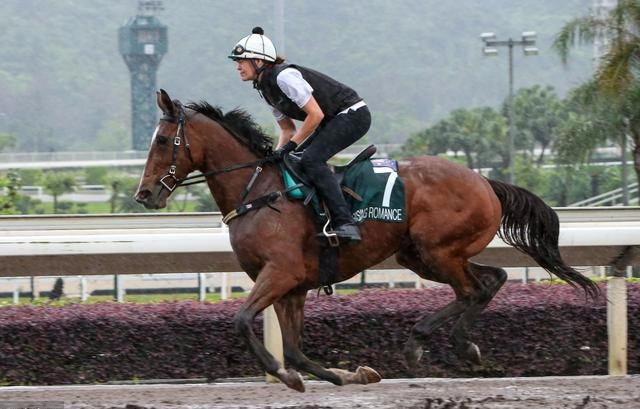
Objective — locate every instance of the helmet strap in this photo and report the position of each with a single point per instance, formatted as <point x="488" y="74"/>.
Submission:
<point x="258" y="71"/>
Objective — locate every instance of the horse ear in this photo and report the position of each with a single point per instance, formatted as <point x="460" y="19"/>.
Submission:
<point x="164" y="102"/>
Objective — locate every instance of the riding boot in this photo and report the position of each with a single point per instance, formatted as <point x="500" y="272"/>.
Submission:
<point x="344" y="225"/>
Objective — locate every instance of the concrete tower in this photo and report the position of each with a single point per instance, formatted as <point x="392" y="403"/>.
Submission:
<point x="143" y="43"/>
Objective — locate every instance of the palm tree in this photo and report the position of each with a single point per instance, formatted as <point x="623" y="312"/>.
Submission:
<point x="618" y="67"/>
<point x="616" y="81"/>
<point x="123" y="187"/>
<point x="57" y="184"/>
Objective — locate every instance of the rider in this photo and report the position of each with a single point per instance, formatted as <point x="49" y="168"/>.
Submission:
<point x="333" y="116"/>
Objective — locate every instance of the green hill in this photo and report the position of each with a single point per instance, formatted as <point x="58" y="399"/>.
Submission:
<point x="64" y="86"/>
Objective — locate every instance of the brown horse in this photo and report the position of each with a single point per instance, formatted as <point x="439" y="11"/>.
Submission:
<point x="452" y="215"/>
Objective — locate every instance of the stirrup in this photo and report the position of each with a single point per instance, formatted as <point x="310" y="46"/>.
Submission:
<point x="334" y="241"/>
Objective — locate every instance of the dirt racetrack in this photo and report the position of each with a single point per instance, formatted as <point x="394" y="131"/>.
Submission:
<point x="590" y="392"/>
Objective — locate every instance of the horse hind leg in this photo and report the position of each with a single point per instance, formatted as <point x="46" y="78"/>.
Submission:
<point x="426" y="325"/>
<point x="488" y="280"/>
<point x="475" y="286"/>
<point x="290" y="311"/>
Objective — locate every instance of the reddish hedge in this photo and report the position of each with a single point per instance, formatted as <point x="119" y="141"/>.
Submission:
<point x="527" y="331"/>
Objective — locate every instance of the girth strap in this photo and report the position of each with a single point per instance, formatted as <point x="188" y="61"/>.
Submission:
<point x="258" y="203"/>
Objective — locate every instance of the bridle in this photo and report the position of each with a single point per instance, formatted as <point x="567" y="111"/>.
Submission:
<point x="177" y="141"/>
<point x="181" y="133"/>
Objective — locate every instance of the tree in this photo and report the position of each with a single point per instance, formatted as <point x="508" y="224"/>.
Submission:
<point x="538" y="112"/>
<point x="123" y="188"/>
<point x="9" y="202"/>
<point x="31" y="177"/>
<point x="204" y="200"/>
<point x="57" y="184"/>
<point x="7" y="141"/>
<point x="95" y="175"/>
<point x="479" y="133"/>
<point x="616" y="81"/>
<point x="592" y="122"/>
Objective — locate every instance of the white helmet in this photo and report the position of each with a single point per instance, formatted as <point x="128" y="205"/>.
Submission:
<point x="256" y="45"/>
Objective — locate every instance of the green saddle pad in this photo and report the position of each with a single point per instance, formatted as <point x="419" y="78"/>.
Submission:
<point x="377" y="183"/>
<point x="289" y="182"/>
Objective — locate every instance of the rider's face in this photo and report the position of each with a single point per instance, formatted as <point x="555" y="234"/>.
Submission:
<point x="246" y="70"/>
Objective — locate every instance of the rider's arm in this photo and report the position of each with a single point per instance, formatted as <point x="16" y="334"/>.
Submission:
<point x="294" y="86"/>
<point x="311" y="122"/>
<point x="287" y="130"/>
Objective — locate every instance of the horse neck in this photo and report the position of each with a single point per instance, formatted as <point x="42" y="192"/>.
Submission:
<point x="222" y="150"/>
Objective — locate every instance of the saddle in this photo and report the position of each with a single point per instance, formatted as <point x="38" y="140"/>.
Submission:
<point x="293" y="176"/>
<point x="292" y="172"/>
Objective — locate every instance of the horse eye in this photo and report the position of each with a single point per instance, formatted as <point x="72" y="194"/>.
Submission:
<point x="162" y="140"/>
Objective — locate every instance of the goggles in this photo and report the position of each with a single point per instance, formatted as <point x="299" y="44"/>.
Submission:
<point x="239" y="50"/>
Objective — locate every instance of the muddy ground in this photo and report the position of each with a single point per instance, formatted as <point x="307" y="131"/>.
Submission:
<point x="553" y="392"/>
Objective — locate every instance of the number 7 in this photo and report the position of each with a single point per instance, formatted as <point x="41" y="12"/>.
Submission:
<point x="393" y="175"/>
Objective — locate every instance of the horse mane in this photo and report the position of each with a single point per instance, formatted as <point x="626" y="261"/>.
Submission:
<point x="240" y="124"/>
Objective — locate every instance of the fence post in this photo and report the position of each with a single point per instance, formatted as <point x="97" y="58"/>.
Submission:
<point x="272" y="337"/>
<point x="202" y="287"/>
<point x="118" y="287"/>
<point x="617" y="325"/>
<point x="617" y="313"/>
<point x="83" y="289"/>
<point x="16" y="296"/>
<point x="224" y="287"/>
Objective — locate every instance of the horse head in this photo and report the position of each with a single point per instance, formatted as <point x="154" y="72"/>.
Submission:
<point x="170" y="158"/>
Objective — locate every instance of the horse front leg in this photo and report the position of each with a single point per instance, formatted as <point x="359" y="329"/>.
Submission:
<point x="290" y="310"/>
<point x="272" y="283"/>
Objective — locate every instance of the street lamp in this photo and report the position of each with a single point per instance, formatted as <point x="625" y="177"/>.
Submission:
<point x="491" y="44"/>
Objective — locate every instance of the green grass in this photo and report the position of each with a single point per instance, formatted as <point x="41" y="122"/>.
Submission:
<point x="138" y="298"/>
<point x="130" y="298"/>
<point x="96" y="207"/>
<point x="105" y="207"/>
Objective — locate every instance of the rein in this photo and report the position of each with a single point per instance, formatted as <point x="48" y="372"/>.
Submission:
<point x="255" y="204"/>
<point x="177" y="142"/>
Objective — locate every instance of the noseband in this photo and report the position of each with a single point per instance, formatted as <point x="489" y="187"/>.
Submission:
<point x="177" y="141"/>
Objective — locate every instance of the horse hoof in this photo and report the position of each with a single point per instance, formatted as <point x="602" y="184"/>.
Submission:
<point x="293" y="380"/>
<point x="368" y="375"/>
<point x="412" y="357"/>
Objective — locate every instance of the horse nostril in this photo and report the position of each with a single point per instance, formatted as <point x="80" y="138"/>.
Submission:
<point x="142" y="195"/>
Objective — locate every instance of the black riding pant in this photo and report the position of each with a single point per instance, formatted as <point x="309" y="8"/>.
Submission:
<point x="329" y="139"/>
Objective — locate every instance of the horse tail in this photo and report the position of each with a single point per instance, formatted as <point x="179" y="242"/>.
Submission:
<point x="531" y="226"/>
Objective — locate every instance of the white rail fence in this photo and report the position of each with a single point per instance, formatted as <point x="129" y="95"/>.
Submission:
<point x="197" y="243"/>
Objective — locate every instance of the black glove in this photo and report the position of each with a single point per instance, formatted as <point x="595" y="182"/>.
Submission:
<point x="284" y="150"/>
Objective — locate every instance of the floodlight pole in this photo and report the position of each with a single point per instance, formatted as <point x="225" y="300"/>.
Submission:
<point x="512" y="137"/>
<point x="528" y="43"/>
